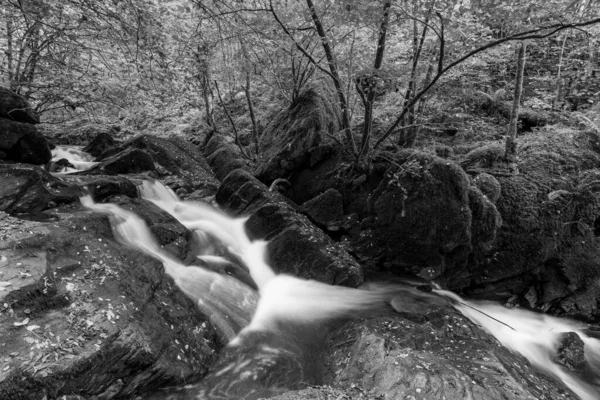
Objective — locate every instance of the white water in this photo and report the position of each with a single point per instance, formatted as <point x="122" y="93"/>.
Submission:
<point x="80" y="159"/>
<point x="227" y="302"/>
<point x="535" y="336"/>
<point x="232" y="305"/>
<point x="209" y="221"/>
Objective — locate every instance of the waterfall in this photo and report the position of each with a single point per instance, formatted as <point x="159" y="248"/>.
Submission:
<point x="276" y="307"/>
<point x="78" y="158"/>
<point x="536" y="337"/>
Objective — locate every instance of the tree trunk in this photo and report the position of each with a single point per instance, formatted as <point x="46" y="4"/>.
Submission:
<point x="511" y="137"/>
<point x="559" y="74"/>
<point x="371" y="93"/>
<point x="9" y="48"/>
<point x="248" y="92"/>
<point x="333" y="68"/>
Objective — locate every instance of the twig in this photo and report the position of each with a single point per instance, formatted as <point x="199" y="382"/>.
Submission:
<point x="487" y="315"/>
<point x="235" y="131"/>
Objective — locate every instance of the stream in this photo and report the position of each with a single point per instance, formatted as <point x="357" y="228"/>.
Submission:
<point x="270" y="304"/>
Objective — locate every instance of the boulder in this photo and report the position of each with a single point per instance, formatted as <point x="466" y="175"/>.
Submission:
<point x="30" y="189"/>
<point x="86" y="317"/>
<point x="128" y="161"/>
<point x="445" y="356"/>
<point x="488" y="185"/>
<point x="224" y="157"/>
<point x="102" y="142"/>
<point x="570" y="352"/>
<point x="422" y="218"/>
<point x="183" y="166"/>
<point x="298" y="137"/>
<point x="546" y="254"/>
<point x="101" y="186"/>
<point x="14" y="107"/>
<point x="295" y="246"/>
<point x="22" y="142"/>
<point x="326" y="210"/>
<point x="170" y="234"/>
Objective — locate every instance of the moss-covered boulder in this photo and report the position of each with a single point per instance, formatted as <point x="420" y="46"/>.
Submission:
<point x="22" y="142"/>
<point x="16" y="108"/>
<point x="547" y="253"/>
<point x="299" y="137"/>
<point x="428" y="218"/>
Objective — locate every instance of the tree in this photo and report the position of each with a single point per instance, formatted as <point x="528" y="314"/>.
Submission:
<point x="510" y="154"/>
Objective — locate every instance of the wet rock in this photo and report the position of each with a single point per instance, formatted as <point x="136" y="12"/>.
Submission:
<point x="102" y="142"/>
<point x="171" y="235"/>
<point x="87" y="317"/>
<point x="326" y="210"/>
<point x="128" y="161"/>
<point x="22" y="142"/>
<point x="14" y="107"/>
<point x="297" y="138"/>
<point x="58" y="165"/>
<point x="102" y="186"/>
<point x="295" y="246"/>
<point x="444" y="357"/>
<point x="29" y="189"/>
<point x="183" y="165"/>
<point x="570" y="352"/>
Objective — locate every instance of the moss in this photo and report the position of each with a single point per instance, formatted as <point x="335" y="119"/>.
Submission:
<point x="489" y="186"/>
<point x="483" y="157"/>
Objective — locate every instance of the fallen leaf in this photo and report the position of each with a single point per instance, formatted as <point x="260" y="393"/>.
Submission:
<point x="24" y="322"/>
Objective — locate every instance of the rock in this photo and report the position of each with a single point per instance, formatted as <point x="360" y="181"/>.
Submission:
<point x="171" y="235"/>
<point x="101" y="186"/>
<point x="444" y="151"/>
<point x="295" y="246"/>
<point x="325" y="210"/>
<point x="487" y="156"/>
<point x="82" y="135"/>
<point x="22" y="142"/>
<point x="58" y="165"/>
<point x="224" y="157"/>
<point x="14" y="107"/>
<point x="191" y="150"/>
<point x="570" y="352"/>
<point x="123" y="326"/>
<point x="297" y="137"/>
<point x="488" y="185"/>
<point x="422" y="219"/>
<point x="486" y="218"/>
<point x="444" y="357"/>
<point x="131" y="160"/>
<point x="29" y="189"/>
<point x="102" y="142"/>
<point x="183" y="165"/>
<point x="547" y="250"/>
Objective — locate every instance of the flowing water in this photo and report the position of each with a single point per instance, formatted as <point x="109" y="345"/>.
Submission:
<point x="537" y="337"/>
<point x="240" y="312"/>
<point x="78" y="158"/>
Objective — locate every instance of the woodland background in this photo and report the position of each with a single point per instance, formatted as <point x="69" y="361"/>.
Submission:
<point x="161" y="66"/>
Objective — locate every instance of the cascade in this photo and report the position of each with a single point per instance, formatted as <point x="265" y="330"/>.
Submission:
<point x="284" y="304"/>
<point x="78" y="158"/>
